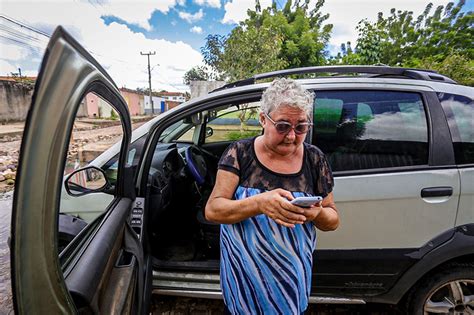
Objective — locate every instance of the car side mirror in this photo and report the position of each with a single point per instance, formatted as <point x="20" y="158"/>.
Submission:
<point x="85" y="181"/>
<point x="209" y="132"/>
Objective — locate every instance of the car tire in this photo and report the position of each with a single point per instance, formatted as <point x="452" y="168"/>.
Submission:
<point x="448" y="291"/>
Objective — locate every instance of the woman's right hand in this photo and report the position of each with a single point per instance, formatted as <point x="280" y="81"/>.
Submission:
<point x="276" y="205"/>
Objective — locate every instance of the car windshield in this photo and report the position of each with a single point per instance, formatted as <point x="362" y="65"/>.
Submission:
<point x="176" y="131"/>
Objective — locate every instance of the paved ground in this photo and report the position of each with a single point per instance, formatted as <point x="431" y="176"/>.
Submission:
<point x="5" y="283"/>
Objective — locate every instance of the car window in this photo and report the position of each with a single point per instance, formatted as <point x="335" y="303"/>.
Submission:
<point x="182" y="130"/>
<point x="459" y="111"/>
<point x="96" y="128"/>
<point x="360" y="130"/>
<point x="134" y="153"/>
<point x="234" y="123"/>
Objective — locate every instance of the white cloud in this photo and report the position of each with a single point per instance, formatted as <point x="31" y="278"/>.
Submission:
<point x="190" y="18"/>
<point x="114" y="46"/>
<point x="210" y="3"/>
<point x="345" y="15"/>
<point x="138" y="13"/>
<point x="196" y="29"/>
<point x="6" y="68"/>
<point x="236" y="10"/>
<point x="13" y="52"/>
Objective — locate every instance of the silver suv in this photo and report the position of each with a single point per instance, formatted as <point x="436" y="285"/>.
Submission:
<point x="400" y="143"/>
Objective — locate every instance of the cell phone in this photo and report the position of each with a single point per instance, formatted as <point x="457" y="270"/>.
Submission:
<point x="306" y="202"/>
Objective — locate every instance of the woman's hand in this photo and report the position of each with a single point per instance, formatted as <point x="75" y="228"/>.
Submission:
<point x="312" y="212"/>
<point x="276" y="205"/>
<point x="324" y="215"/>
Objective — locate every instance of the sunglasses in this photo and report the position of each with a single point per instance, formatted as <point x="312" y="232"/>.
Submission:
<point x="284" y="127"/>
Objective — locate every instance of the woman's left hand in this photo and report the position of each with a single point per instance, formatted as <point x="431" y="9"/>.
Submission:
<point x="324" y="214"/>
<point x="312" y="212"/>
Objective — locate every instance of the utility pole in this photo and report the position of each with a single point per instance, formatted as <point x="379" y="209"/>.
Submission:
<point x="149" y="77"/>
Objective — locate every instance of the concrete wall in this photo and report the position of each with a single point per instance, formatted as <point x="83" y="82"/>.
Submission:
<point x="200" y="88"/>
<point x="15" y="100"/>
<point x="133" y="102"/>
<point x="92" y="105"/>
<point x="156" y="104"/>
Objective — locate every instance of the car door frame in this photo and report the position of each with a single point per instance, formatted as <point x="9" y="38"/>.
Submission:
<point x="68" y="72"/>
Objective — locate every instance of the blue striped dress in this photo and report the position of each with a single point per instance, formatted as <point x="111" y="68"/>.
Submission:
<point x="266" y="268"/>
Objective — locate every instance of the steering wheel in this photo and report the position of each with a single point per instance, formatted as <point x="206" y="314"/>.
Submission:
<point x="196" y="164"/>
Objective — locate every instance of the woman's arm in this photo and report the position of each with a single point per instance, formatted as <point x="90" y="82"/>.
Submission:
<point x="326" y="217"/>
<point x="221" y="208"/>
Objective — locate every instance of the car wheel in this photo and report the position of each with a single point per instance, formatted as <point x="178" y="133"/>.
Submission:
<point x="450" y="291"/>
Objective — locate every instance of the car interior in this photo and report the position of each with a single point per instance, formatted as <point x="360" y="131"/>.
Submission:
<point x="180" y="179"/>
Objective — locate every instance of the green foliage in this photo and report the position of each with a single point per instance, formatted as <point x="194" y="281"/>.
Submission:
<point x="369" y="50"/>
<point x="270" y="39"/>
<point x="439" y="40"/>
<point x="346" y="56"/>
<point x="237" y="135"/>
<point x="445" y="30"/>
<point x="456" y="66"/>
<point x="198" y="73"/>
<point x="113" y="115"/>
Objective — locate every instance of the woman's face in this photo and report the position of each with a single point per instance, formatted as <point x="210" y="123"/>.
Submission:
<point x="286" y="143"/>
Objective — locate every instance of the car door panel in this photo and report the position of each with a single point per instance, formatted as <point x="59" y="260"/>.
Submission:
<point x="379" y="253"/>
<point x="392" y="202"/>
<point x="367" y="202"/>
<point x="93" y="271"/>
<point x="466" y="201"/>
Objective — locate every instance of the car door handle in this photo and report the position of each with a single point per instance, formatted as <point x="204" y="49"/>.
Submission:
<point x="436" y="192"/>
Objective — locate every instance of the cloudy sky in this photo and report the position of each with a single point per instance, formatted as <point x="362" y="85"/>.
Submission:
<point x="116" y="31"/>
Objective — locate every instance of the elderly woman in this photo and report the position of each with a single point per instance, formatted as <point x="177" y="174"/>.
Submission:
<point x="267" y="242"/>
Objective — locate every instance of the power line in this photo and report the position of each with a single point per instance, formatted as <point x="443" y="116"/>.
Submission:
<point x="29" y="41"/>
<point x="22" y="43"/>
<point x="20" y="35"/>
<point x="3" y="16"/>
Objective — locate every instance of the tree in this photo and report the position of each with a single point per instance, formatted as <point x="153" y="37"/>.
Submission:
<point x="441" y="40"/>
<point x="271" y="39"/>
<point x="456" y="66"/>
<point x="369" y="49"/>
<point x="399" y="38"/>
<point x="198" y="73"/>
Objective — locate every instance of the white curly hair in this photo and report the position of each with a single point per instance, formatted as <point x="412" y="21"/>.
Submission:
<point x="286" y="92"/>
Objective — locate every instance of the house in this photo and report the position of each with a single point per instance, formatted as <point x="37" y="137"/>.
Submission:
<point x="135" y="101"/>
<point x="159" y="104"/>
<point x="173" y="96"/>
<point x="172" y="99"/>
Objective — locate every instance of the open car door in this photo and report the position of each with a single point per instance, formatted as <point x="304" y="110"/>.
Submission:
<point x="102" y="269"/>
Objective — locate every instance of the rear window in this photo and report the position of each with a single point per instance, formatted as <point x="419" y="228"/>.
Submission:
<point x="360" y="130"/>
<point x="459" y="112"/>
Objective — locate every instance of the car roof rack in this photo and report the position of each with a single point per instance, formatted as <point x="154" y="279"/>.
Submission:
<point x="411" y="73"/>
